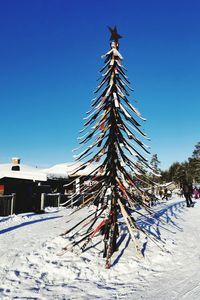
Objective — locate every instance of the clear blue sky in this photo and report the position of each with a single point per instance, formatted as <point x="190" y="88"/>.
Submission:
<point x="50" y="55"/>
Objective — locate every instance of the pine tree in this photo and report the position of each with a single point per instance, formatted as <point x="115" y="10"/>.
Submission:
<point x="196" y="152"/>
<point x="194" y="164"/>
<point x="155" y="165"/>
<point x="117" y="150"/>
<point x="155" y="162"/>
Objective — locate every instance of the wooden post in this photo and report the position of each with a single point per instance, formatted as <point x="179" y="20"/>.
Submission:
<point x="42" y="201"/>
<point x="12" y="203"/>
<point x="59" y="196"/>
<point x="77" y="187"/>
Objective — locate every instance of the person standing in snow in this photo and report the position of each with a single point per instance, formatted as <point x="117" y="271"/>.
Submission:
<point x="196" y="193"/>
<point x="187" y="194"/>
<point x="165" y="194"/>
<point x="160" y="193"/>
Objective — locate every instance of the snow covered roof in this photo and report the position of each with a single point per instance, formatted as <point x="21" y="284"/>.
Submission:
<point x="168" y="184"/>
<point x="25" y="172"/>
<point x="64" y="171"/>
<point x="67" y="169"/>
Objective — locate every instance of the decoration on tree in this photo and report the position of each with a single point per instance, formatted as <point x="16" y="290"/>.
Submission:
<point x="114" y="34"/>
<point x="119" y="175"/>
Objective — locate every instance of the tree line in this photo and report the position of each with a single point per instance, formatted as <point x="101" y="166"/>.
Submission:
<point x="181" y="172"/>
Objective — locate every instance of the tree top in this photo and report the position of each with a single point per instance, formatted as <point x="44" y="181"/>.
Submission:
<point x="114" y="34"/>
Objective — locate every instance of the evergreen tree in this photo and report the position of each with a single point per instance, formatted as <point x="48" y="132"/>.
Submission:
<point x="188" y="171"/>
<point x="196" y="152"/>
<point x="182" y="173"/>
<point x="194" y="163"/>
<point x="119" y="152"/>
<point x="155" y="165"/>
<point x="155" y="162"/>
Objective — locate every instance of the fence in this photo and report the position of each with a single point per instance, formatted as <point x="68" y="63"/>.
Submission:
<point x="7" y="204"/>
<point x="56" y="200"/>
<point x="53" y="200"/>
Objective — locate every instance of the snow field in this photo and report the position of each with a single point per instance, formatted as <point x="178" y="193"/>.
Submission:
<point x="30" y="267"/>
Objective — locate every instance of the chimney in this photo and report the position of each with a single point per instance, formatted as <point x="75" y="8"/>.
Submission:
<point x="15" y="164"/>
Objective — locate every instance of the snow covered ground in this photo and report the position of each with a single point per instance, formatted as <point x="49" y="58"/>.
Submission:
<point x="30" y="267"/>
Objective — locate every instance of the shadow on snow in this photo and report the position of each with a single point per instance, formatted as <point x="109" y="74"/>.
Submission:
<point x="27" y="215"/>
<point x="161" y="219"/>
<point x="26" y="224"/>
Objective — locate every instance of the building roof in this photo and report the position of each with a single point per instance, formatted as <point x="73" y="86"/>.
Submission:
<point x="59" y="171"/>
<point x="69" y="169"/>
<point x="25" y="172"/>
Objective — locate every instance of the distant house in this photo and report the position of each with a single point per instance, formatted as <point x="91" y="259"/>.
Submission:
<point x="73" y="175"/>
<point x="28" y="183"/>
<point x="169" y="185"/>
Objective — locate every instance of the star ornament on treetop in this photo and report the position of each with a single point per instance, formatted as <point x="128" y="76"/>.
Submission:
<point x="114" y="34"/>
